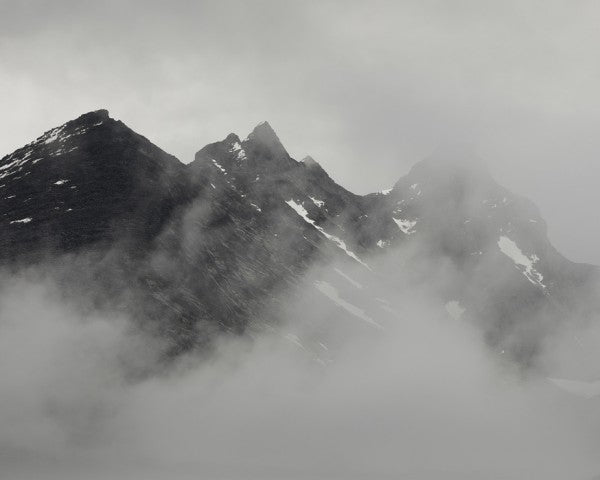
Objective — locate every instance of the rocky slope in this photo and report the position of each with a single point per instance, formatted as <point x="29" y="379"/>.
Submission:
<point x="224" y="243"/>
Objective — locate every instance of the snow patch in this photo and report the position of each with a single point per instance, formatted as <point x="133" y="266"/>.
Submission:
<point x="350" y="280"/>
<point x="317" y="202"/>
<point x="60" y="182"/>
<point x="236" y="147"/>
<point x="301" y="211"/>
<point x="14" y="166"/>
<point x="330" y="292"/>
<point x="216" y="164"/>
<point x="290" y="337"/>
<point x="6" y="166"/>
<point x="386" y="191"/>
<point x="512" y="251"/>
<point x="22" y="220"/>
<point x="405" y="225"/>
<point x="53" y="135"/>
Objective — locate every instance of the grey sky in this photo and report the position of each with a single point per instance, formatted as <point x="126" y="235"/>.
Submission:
<point x="367" y="88"/>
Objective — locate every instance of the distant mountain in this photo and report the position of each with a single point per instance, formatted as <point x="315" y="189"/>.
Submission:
<point x="216" y="245"/>
<point x="505" y="272"/>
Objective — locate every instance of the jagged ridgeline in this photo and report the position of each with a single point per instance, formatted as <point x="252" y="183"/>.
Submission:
<point x="191" y="250"/>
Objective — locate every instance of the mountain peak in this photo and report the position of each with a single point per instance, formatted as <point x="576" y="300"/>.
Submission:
<point x="264" y="146"/>
<point x="453" y="160"/>
<point x="101" y="113"/>
<point x="97" y="115"/>
<point x="264" y="126"/>
<point x="264" y="133"/>
<point x="232" y="138"/>
<point x="452" y="167"/>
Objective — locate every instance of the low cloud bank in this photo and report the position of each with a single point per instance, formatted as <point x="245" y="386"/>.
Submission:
<point x="422" y="400"/>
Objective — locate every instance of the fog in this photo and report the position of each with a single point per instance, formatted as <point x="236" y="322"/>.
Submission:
<point x="367" y="89"/>
<point x="422" y="398"/>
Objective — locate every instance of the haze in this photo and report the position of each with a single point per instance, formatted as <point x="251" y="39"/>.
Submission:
<point x="423" y="399"/>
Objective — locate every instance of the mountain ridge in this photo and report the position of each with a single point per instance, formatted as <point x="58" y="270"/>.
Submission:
<point x="211" y="245"/>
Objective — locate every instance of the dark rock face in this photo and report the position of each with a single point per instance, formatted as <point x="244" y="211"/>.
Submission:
<point x="192" y="250"/>
<point x="90" y="181"/>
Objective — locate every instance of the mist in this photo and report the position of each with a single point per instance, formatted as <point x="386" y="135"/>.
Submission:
<point x="422" y="397"/>
<point x="340" y="369"/>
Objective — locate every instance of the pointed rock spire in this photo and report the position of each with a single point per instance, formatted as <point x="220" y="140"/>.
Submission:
<point x="266" y="150"/>
<point x="263" y="132"/>
<point x="264" y="135"/>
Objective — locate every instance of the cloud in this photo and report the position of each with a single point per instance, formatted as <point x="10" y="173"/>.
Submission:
<point x="367" y="89"/>
<point x="421" y="399"/>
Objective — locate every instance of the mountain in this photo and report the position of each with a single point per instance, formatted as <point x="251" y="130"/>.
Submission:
<point x="505" y="272"/>
<point x="226" y="242"/>
<point x="91" y="181"/>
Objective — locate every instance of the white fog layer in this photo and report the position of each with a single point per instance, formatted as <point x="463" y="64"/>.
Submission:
<point x="421" y="399"/>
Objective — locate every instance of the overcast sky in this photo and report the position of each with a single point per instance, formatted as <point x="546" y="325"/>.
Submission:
<point x="367" y="88"/>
